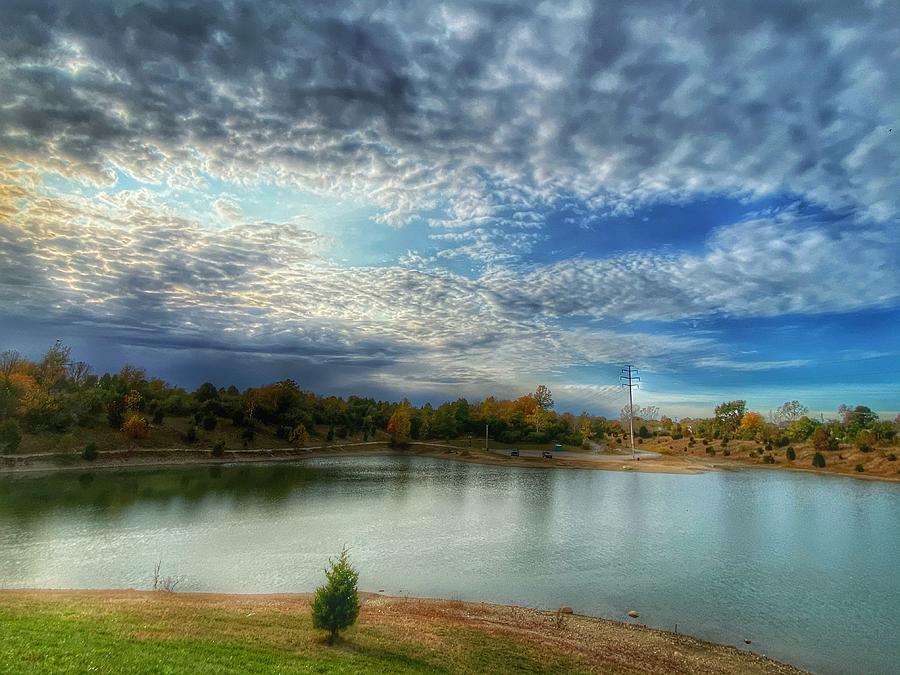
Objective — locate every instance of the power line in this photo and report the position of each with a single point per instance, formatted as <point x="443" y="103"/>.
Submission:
<point x="629" y="378"/>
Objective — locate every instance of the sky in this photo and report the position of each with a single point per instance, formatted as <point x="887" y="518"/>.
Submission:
<point x="434" y="200"/>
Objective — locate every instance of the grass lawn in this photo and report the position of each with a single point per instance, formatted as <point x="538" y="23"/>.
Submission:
<point x="167" y="633"/>
<point x="154" y="632"/>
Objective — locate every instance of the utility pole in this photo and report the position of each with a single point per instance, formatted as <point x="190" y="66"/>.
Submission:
<point x="486" y="426"/>
<point x="630" y="379"/>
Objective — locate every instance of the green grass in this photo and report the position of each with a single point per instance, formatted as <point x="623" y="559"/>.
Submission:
<point x="165" y="634"/>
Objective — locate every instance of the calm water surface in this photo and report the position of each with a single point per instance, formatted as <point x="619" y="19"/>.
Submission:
<point x="807" y="567"/>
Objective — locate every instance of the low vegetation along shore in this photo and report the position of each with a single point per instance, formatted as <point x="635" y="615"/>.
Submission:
<point x="146" y="631"/>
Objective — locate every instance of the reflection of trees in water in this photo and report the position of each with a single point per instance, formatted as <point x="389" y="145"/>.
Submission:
<point x="107" y="494"/>
<point x="25" y="499"/>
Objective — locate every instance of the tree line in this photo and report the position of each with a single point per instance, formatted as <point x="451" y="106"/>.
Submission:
<point x="57" y="394"/>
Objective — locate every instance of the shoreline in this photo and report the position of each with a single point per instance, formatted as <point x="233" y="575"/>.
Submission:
<point x="135" y="458"/>
<point x="590" y="644"/>
<point x="170" y="457"/>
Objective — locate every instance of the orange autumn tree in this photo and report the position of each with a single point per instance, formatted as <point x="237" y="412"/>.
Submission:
<point x="752" y="423"/>
<point x="400" y="424"/>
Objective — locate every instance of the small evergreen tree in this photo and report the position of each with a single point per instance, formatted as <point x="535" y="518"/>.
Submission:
<point x="791" y="454"/>
<point x="819" y="460"/>
<point x="336" y="604"/>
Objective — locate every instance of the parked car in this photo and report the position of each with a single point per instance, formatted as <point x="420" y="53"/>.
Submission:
<point x="514" y="452"/>
<point x="546" y="454"/>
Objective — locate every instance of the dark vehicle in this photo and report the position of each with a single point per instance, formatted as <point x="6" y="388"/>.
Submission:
<point x="514" y="452"/>
<point x="546" y="454"/>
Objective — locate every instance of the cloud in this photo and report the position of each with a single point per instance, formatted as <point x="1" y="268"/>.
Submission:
<point x="786" y="264"/>
<point x="487" y="123"/>
<point x="128" y="266"/>
<point x="227" y="208"/>
<point x="471" y="113"/>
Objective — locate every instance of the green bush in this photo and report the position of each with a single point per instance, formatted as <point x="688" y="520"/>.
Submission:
<point x="791" y="455"/>
<point x="782" y="441"/>
<point x="710" y="450"/>
<point x="90" y="451"/>
<point x="860" y="468"/>
<point x="725" y="452"/>
<point x="209" y="422"/>
<point x="10" y="436"/>
<point x="190" y="436"/>
<point x="336" y="604"/>
<point x="892" y="457"/>
<point x="768" y="459"/>
<point x="819" y="460"/>
<point x="247" y="436"/>
<point x="218" y="449"/>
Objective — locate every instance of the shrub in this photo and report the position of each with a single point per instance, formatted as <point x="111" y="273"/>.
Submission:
<point x="10" y="436"/>
<point x="710" y="450"/>
<point x="298" y="435"/>
<point x="190" y="436"/>
<point x="782" y="441"/>
<point x="640" y="440"/>
<point x="218" y="449"/>
<point x="892" y="457"/>
<point x="860" y="468"/>
<point x="90" y="451"/>
<point x="336" y="604"/>
<point x="677" y="437"/>
<point x="209" y="422"/>
<point x="865" y="440"/>
<point x="791" y="455"/>
<point x="724" y="442"/>
<point x="691" y="442"/>
<point x="769" y="447"/>
<point x="247" y="436"/>
<point x="768" y="459"/>
<point x="158" y="416"/>
<point x="823" y="441"/>
<point x="819" y="460"/>
<point x="643" y="432"/>
<point x="136" y="426"/>
<point x="330" y="435"/>
<point x="725" y="452"/>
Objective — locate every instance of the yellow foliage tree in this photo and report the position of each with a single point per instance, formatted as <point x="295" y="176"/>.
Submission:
<point x="399" y="424"/>
<point x="136" y="426"/>
<point x="133" y="400"/>
<point x="298" y="435"/>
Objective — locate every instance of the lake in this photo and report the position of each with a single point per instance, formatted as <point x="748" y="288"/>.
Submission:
<point x="805" y="566"/>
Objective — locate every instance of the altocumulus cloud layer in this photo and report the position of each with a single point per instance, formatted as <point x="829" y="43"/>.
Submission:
<point x="133" y="134"/>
